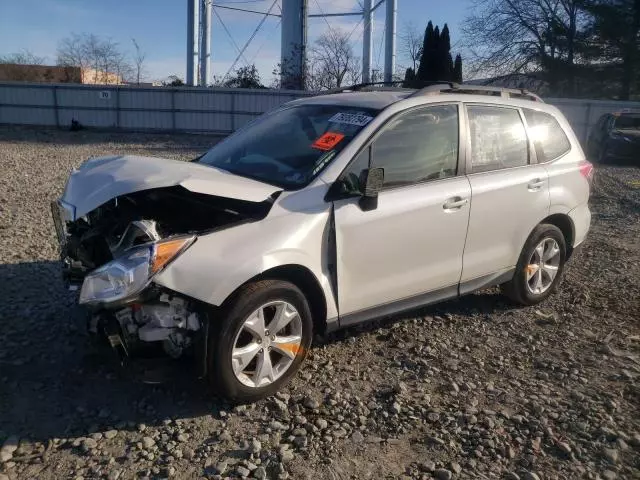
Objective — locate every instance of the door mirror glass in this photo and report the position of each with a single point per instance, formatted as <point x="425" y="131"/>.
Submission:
<point x="371" y="181"/>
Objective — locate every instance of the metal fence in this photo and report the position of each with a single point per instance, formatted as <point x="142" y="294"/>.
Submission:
<point x="188" y="109"/>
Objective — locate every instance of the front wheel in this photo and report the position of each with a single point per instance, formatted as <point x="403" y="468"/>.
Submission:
<point x="539" y="267"/>
<point x="261" y="341"/>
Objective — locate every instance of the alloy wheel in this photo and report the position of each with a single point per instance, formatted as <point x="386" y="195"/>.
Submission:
<point x="267" y="344"/>
<point x="543" y="266"/>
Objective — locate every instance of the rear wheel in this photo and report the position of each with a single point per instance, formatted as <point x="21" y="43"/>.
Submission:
<point x="262" y="339"/>
<point x="539" y="267"/>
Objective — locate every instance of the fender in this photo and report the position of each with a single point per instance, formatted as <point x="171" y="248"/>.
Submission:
<point x="220" y="262"/>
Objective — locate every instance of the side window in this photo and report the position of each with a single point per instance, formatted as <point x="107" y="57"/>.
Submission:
<point x="418" y="146"/>
<point x="548" y="136"/>
<point x="498" y="138"/>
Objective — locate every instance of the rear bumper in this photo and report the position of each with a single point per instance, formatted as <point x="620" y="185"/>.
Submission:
<point x="581" y="218"/>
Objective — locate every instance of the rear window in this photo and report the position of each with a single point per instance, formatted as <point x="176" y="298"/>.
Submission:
<point x="291" y="146"/>
<point x="627" y="122"/>
<point x="548" y="137"/>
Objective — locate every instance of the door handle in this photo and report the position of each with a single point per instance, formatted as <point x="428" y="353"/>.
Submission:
<point x="455" y="203"/>
<point x="535" y="184"/>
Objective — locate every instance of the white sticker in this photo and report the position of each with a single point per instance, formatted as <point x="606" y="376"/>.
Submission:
<point x="359" y="119"/>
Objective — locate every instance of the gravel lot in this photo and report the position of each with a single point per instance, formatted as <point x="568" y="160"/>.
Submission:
<point x="466" y="389"/>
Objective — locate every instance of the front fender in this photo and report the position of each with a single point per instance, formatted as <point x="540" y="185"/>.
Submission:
<point x="218" y="263"/>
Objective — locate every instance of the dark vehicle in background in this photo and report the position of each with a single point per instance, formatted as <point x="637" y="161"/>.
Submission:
<point x="616" y="138"/>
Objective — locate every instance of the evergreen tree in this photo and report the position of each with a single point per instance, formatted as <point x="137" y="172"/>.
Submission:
<point x="424" y="70"/>
<point x="445" y="62"/>
<point x="457" y="69"/>
<point x="409" y="78"/>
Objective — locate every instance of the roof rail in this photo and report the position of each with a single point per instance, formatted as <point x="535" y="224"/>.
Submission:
<point x="362" y="86"/>
<point x="447" y="87"/>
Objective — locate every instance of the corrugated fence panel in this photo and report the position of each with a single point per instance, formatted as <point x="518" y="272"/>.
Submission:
<point x="26" y="96"/>
<point x="21" y="115"/>
<point x="216" y="110"/>
<point x="145" y="99"/>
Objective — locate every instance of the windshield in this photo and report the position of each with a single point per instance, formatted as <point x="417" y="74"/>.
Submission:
<point x="289" y="147"/>
<point x="627" y="122"/>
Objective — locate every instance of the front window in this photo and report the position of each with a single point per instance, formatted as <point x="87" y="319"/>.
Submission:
<point x="627" y="122"/>
<point x="289" y="147"/>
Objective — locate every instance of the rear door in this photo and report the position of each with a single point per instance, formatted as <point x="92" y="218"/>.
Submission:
<point x="412" y="243"/>
<point x="510" y="194"/>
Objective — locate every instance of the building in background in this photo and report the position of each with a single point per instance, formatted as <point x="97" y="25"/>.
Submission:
<point x="56" y="74"/>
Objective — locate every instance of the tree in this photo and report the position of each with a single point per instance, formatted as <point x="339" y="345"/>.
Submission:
<point x="411" y="45"/>
<point x="25" y="57"/>
<point x="245" y="77"/>
<point x="436" y="63"/>
<point x="457" y="69"/>
<point x="523" y="36"/>
<point x="173" y="81"/>
<point x="88" y="51"/>
<point x="332" y="62"/>
<point x="615" y="33"/>
<point x="138" y="61"/>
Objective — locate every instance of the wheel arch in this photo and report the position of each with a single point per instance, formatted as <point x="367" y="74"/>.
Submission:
<point x="306" y="281"/>
<point x="565" y="224"/>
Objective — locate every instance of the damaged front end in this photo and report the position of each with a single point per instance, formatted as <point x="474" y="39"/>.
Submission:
<point x="113" y="252"/>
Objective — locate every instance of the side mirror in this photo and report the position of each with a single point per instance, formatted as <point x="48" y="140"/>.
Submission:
<point x="371" y="181"/>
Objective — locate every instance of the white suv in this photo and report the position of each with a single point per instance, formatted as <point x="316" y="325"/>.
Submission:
<point x="324" y="213"/>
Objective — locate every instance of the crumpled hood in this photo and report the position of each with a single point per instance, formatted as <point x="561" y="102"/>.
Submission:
<point x="99" y="180"/>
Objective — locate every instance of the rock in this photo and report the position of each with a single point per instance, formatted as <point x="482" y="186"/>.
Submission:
<point x="321" y="423"/>
<point x="442" y="474"/>
<point x="5" y="456"/>
<point x="243" y="472"/>
<point x="286" y="456"/>
<point x="357" y="437"/>
<point x="455" y="467"/>
<point x="4" y="476"/>
<point x="396" y="408"/>
<point x="11" y="444"/>
<point x="275" y="425"/>
<point x="254" y="446"/>
<point x="609" y="475"/>
<point x="142" y="427"/>
<point x="109" y="434"/>
<point x="610" y="454"/>
<point x="260" y="473"/>
<point x="221" y="467"/>
<point x="511" y="476"/>
<point x="311" y="403"/>
<point x="428" y="466"/>
<point x="183" y="438"/>
<point x="300" y="442"/>
<point x="114" y="474"/>
<point x="148" y="442"/>
<point x="530" y="476"/>
<point x="89" y="444"/>
<point x="564" y="448"/>
<point x="225" y="437"/>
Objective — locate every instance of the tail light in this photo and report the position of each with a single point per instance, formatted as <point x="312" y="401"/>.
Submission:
<point x="587" y="170"/>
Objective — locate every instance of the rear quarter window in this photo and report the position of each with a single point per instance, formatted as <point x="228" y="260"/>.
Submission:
<point x="549" y="138"/>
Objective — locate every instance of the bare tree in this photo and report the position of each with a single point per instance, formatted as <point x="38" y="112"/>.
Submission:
<point x="24" y="57"/>
<point x="411" y="41"/>
<point x="138" y="60"/>
<point x="89" y="51"/>
<point x="332" y="62"/>
<point x="522" y="36"/>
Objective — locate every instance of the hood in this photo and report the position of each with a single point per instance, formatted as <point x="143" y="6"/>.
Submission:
<point x="99" y="180"/>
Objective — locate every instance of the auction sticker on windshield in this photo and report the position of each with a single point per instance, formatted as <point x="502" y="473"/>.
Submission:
<point x="328" y="141"/>
<point x="360" y="119"/>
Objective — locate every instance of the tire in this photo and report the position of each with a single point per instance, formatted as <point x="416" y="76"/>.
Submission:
<point x="231" y="330"/>
<point x="519" y="288"/>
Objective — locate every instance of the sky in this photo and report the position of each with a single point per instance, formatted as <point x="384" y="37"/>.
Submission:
<point x="159" y="27"/>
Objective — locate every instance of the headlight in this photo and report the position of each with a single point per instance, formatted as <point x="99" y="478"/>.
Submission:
<point x="130" y="274"/>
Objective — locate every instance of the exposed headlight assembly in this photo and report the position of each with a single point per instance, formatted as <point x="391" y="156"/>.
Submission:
<point x="128" y="275"/>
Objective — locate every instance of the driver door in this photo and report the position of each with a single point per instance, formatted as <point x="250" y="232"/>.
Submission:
<point x="407" y="251"/>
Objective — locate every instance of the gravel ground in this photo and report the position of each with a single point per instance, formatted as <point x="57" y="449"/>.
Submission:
<point x="473" y="388"/>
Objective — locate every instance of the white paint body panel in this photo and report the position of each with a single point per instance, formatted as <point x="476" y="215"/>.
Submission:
<point x="504" y="211"/>
<point x="99" y="180"/>
<point x="407" y="246"/>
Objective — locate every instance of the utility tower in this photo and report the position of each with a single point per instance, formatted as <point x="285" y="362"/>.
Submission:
<point x="293" y="47"/>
